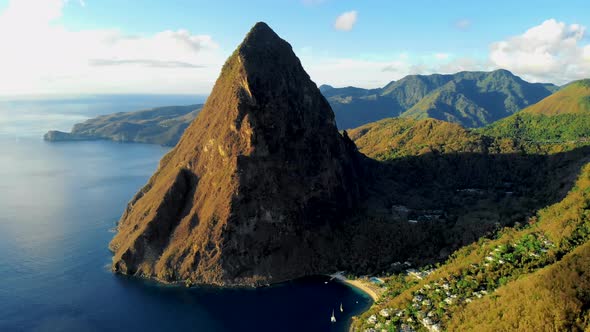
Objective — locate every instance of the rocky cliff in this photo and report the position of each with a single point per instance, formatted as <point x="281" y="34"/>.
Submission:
<point x="250" y="192"/>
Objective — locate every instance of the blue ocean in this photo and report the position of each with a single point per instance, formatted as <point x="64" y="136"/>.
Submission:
<point x="59" y="203"/>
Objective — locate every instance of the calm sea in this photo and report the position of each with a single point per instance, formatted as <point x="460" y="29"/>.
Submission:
<point x="58" y="205"/>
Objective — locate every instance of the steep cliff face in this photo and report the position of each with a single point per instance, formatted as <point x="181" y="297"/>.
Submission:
<point x="254" y="180"/>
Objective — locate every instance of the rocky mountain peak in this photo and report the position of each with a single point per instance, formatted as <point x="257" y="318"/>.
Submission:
<point x="261" y="168"/>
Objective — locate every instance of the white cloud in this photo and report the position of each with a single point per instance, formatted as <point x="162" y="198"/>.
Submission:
<point x="371" y="73"/>
<point x="552" y="51"/>
<point x="353" y="72"/>
<point x="423" y="65"/>
<point x="346" y="21"/>
<point x="144" y="63"/>
<point x="39" y="55"/>
<point x="463" y="24"/>
<point x="463" y="64"/>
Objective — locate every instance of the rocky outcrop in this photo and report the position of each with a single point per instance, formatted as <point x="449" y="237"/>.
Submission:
<point x="60" y="136"/>
<point x="252" y="189"/>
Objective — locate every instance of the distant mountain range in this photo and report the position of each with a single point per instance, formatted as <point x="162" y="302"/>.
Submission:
<point x="472" y="99"/>
<point x="160" y="125"/>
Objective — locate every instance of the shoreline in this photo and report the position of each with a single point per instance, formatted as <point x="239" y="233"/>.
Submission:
<point x="358" y="284"/>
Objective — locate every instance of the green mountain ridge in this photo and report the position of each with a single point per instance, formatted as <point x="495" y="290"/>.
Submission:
<point x="401" y="137"/>
<point x="563" y="116"/>
<point x="472" y="99"/>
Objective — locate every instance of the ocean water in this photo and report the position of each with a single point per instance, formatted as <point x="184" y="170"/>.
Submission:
<point x="26" y="116"/>
<point x="58" y="205"/>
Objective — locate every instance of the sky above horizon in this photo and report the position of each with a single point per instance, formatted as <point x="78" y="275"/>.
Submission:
<point x="178" y="46"/>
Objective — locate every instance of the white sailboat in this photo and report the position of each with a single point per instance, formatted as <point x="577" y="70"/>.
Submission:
<point x="341" y="310"/>
<point x="333" y="318"/>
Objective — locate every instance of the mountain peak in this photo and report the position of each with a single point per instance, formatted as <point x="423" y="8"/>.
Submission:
<point x="326" y="87"/>
<point x="261" y="165"/>
<point x="262" y="29"/>
<point x="261" y="35"/>
<point x="263" y="47"/>
<point x="504" y="72"/>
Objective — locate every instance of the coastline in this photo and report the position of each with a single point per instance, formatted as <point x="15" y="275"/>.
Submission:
<point x="358" y="284"/>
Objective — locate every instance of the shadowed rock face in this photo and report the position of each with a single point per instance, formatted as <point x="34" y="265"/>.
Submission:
<point x="254" y="178"/>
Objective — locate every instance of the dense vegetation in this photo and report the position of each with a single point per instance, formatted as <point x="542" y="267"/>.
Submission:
<point x="475" y="99"/>
<point x="161" y="125"/>
<point x="457" y="185"/>
<point x="542" y="128"/>
<point x="572" y="99"/>
<point x="534" y="277"/>
<point x="561" y="117"/>
<point x="472" y="99"/>
<point x="390" y="139"/>
<point x="435" y="186"/>
<point x="400" y="137"/>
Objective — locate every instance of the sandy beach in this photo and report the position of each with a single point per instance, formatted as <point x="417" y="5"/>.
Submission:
<point x="362" y="285"/>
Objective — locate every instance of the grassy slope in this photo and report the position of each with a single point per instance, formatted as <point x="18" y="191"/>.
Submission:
<point x="548" y="292"/>
<point x="542" y="128"/>
<point x="399" y="137"/>
<point x="552" y="299"/>
<point x="393" y="138"/>
<point x="542" y="281"/>
<point x="563" y="116"/>
<point x="574" y="98"/>
<point x="536" y="279"/>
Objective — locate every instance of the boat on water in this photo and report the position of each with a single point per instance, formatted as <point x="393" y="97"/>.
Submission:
<point x="333" y="318"/>
<point x="341" y="309"/>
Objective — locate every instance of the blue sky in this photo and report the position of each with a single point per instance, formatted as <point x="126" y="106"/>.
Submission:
<point x="376" y="42"/>
<point x="384" y="26"/>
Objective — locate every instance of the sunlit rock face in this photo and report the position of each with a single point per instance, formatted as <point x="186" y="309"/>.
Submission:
<point x="251" y="191"/>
